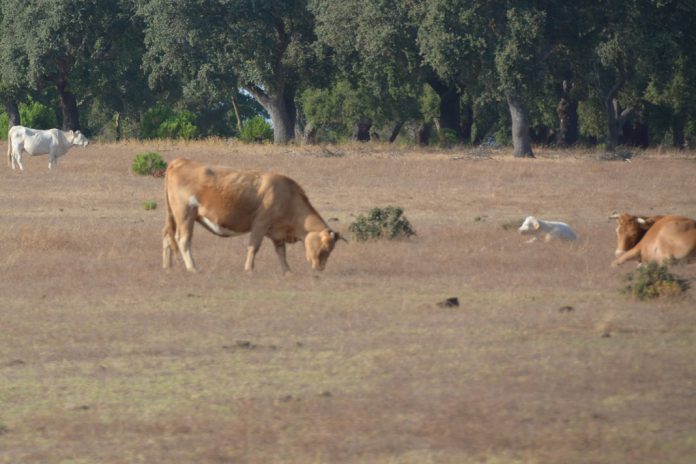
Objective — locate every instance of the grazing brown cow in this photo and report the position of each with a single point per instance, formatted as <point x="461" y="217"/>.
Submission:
<point x="657" y="238"/>
<point x="229" y="203"/>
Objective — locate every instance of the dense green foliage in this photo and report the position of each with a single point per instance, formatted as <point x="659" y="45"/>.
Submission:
<point x="148" y="164"/>
<point x="653" y="280"/>
<point x="163" y="122"/>
<point x="256" y="129"/>
<point x="447" y="71"/>
<point x="388" y="223"/>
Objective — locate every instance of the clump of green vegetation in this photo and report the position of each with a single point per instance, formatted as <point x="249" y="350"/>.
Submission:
<point x="162" y="122"/>
<point x="148" y="164"/>
<point x="652" y="281"/>
<point x="447" y="138"/>
<point x="256" y="129"/>
<point x="389" y="223"/>
<point x="513" y="224"/>
<point x="149" y="205"/>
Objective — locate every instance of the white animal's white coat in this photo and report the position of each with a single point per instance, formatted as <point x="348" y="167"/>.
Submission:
<point x="52" y="142"/>
<point x="548" y="230"/>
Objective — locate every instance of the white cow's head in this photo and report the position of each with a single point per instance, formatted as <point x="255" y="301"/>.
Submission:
<point x="529" y="226"/>
<point x="77" y="138"/>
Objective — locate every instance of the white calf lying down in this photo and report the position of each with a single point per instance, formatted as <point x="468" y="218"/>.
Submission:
<point x="53" y="142"/>
<point x="549" y="230"/>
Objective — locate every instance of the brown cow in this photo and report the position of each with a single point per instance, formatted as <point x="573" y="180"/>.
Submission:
<point x="665" y="239"/>
<point x="229" y="203"/>
<point x="630" y="229"/>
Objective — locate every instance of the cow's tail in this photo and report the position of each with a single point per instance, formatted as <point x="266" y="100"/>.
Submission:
<point x="169" y="244"/>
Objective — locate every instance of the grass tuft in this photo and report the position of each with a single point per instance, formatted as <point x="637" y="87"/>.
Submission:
<point x="150" y="205"/>
<point x="653" y="281"/>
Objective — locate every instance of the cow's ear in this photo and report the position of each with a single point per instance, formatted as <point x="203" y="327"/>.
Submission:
<point x="536" y="225"/>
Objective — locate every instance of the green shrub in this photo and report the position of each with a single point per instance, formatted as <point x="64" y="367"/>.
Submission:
<point x="148" y="164"/>
<point x="380" y="223"/>
<point x="447" y="138"/>
<point x="652" y="281"/>
<point x="256" y="129"/>
<point x="162" y="122"/>
<point x="150" y="205"/>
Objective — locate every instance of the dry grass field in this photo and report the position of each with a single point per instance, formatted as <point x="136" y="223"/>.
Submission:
<point x="106" y="358"/>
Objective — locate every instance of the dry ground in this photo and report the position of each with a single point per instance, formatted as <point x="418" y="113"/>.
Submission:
<point x="104" y="357"/>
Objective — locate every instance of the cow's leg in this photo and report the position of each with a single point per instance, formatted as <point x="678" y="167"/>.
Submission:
<point x="280" y="251"/>
<point x="17" y="156"/>
<point x="185" y="233"/>
<point x="633" y="253"/>
<point x="255" y="239"/>
<point x="185" y="217"/>
<point x="168" y="245"/>
<point x="52" y="160"/>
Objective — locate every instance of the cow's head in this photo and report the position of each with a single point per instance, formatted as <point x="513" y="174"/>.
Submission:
<point x="630" y="230"/>
<point x="77" y="138"/>
<point x="529" y="226"/>
<point x="319" y="245"/>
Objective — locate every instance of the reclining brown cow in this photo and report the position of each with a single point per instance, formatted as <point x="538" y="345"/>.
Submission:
<point x="654" y="238"/>
<point x="230" y="203"/>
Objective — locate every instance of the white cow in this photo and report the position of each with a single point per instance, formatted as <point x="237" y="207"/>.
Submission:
<point x="547" y="229"/>
<point x="53" y="142"/>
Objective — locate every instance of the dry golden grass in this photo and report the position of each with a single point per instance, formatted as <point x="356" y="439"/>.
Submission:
<point x="104" y="357"/>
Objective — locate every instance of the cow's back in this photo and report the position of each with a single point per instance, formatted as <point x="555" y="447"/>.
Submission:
<point x="672" y="237"/>
<point x="230" y="198"/>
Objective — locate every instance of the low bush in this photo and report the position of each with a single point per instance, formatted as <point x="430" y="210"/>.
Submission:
<point x="162" y="122"/>
<point x="148" y="164"/>
<point x="652" y="281"/>
<point x="257" y="130"/>
<point x="389" y="223"/>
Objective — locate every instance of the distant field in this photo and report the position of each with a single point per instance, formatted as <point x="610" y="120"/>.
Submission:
<point x="105" y="357"/>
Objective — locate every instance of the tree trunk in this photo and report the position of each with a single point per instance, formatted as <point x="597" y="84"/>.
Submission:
<point x="235" y="107"/>
<point x="449" y="105"/>
<point x="567" y="111"/>
<point x="467" y="123"/>
<point x="68" y="104"/>
<point x="117" y="126"/>
<point x="395" y="131"/>
<point x="361" y="130"/>
<point x="283" y="113"/>
<point x="616" y="118"/>
<point x="612" y="125"/>
<point x="12" y="111"/>
<point x="309" y="135"/>
<point x="521" y="140"/>
<point x="678" y="124"/>
<point x="423" y="134"/>
<point x="282" y="109"/>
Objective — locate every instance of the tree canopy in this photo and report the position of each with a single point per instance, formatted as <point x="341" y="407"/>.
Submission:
<point x="536" y="71"/>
